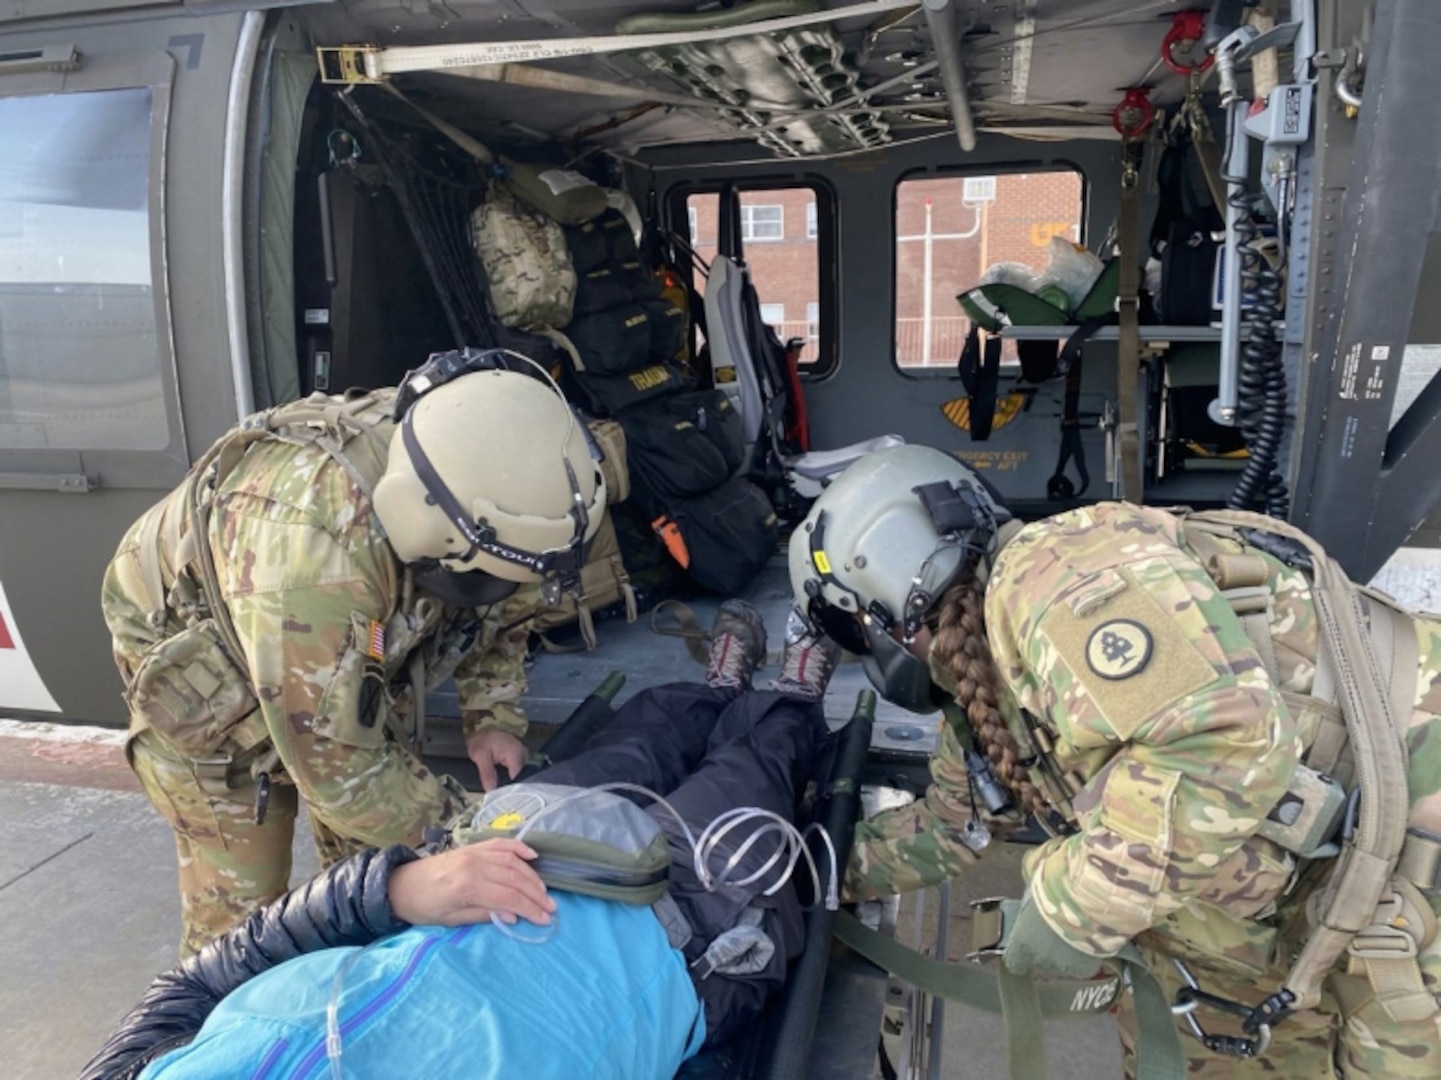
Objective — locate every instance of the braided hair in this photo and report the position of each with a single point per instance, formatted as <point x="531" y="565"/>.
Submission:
<point x="960" y="647"/>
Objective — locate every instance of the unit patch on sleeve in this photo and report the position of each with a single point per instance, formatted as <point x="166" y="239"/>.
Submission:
<point x="1119" y="649"/>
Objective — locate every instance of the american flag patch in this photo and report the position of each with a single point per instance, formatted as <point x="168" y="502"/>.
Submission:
<point x="375" y="647"/>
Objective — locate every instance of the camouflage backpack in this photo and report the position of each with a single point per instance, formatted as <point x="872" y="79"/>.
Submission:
<point x="526" y="262"/>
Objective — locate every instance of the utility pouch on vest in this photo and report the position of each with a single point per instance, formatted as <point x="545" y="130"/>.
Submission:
<point x="189" y="691"/>
<point x="587" y="841"/>
<point x="1308" y="819"/>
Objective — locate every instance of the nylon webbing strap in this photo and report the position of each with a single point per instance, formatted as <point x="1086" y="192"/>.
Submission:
<point x="972" y="984"/>
<point x="1025" y="1002"/>
<point x="1021" y="1007"/>
<point x="687" y="627"/>
<point x="1128" y="348"/>
<point x="1363" y="871"/>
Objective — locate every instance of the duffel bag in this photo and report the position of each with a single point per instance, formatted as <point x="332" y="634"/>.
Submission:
<point x="613" y="395"/>
<point x="605" y="241"/>
<point x="619" y="237"/>
<point x="587" y="246"/>
<point x="602" y="288"/>
<point x="685" y="445"/>
<point x="613" y="342"/>
<point x="723" y="538"/>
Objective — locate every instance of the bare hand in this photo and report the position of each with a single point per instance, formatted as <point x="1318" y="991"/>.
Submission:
<point x="489" y="747"/>
<point x="469" y="884"/>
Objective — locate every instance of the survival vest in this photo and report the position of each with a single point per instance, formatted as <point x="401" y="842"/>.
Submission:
<point x="1373" y="905"/>
<point x="190" y="688"/>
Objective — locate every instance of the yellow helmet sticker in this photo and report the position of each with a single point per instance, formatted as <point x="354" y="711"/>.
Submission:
<point x="822" y="563"/>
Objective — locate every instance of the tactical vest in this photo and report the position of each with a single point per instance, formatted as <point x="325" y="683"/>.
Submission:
<point x="1374" y="903"/>
<point x="191" y="688"/>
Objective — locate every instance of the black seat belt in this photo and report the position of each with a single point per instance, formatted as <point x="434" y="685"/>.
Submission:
<point x="1059" y="486"/>
<point x="980" y="371"/>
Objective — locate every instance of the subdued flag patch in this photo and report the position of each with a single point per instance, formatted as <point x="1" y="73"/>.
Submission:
<point x="376" y="646"/>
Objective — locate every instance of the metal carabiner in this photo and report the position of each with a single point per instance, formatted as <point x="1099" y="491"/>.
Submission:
<point x="1191" y="997"/>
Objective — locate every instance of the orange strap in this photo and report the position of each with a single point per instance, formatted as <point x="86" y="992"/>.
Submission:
<point x="669" y="532"/>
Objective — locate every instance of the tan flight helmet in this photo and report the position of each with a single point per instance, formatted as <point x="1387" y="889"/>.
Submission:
<point x="877" y="550"/>
<point x="491" y="479"/>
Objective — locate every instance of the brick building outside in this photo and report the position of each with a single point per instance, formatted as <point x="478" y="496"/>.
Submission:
<point x="974" y="222"/>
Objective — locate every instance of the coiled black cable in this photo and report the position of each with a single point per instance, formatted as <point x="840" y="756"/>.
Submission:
<point x="1261" y="380"/>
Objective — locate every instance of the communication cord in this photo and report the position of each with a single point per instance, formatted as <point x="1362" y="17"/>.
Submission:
<point x="1261" y="380"/>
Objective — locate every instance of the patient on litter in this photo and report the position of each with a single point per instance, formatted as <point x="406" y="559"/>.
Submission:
<point x="569" y="925"/>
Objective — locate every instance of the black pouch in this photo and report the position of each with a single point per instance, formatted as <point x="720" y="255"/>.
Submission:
<point x="639" y="281"/>
<point x="670" y="457"/>
<point x="1188" y="266"/>
<point x="619" y="239"/>
<point x="730" y="533"/>
<point x="687" y="445"/>
<point x="587" y="247"/>
<point x="615" y="395"/>
<point x="668" y="327"/>
<point x="613" y="342"/>
<point x="599" y="289"/>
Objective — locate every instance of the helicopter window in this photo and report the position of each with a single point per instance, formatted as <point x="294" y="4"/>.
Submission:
<point x="950" y="230"/>
<point x="80" y="354"/>
<point x="783" y="230"/>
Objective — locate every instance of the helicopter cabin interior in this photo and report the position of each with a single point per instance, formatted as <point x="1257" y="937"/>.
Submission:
<point x="1094" y="248"/>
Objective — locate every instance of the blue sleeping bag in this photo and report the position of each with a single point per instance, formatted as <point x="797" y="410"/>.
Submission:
<point x="605" y="996"/>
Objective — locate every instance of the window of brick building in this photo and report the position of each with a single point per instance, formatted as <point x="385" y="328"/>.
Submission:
<point x="786" y="268"/>
<point x="949" y="230"/>
<point x="762" y="222"/>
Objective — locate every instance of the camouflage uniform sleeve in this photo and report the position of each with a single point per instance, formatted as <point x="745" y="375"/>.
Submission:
<point x="1110" y="634"/>
<point x="929" y="841"/>
<point x="303" y="592"/>
<point x="491" y="679"/>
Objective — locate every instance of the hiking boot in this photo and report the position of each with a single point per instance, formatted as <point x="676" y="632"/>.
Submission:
<point x="737" y="646"/>
<point x="807" y="663"/>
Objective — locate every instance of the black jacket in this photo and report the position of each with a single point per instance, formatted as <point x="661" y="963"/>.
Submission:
<point x="346" y="905"/>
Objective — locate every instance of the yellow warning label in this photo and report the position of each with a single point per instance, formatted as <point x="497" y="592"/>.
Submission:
<point x="1000" y="460"/>
<point x="822" y="563"/>
<point x="1008" y="407"/>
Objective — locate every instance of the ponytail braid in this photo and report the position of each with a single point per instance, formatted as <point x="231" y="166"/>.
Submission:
<point x="961" y="648"/>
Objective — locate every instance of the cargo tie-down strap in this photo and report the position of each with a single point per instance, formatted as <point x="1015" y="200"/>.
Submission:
<point x="1024" y="1002"/>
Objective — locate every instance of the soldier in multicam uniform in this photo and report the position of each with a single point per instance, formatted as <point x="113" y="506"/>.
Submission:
<point x="1114" y="677"/>
<point x="352" y="554"/>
